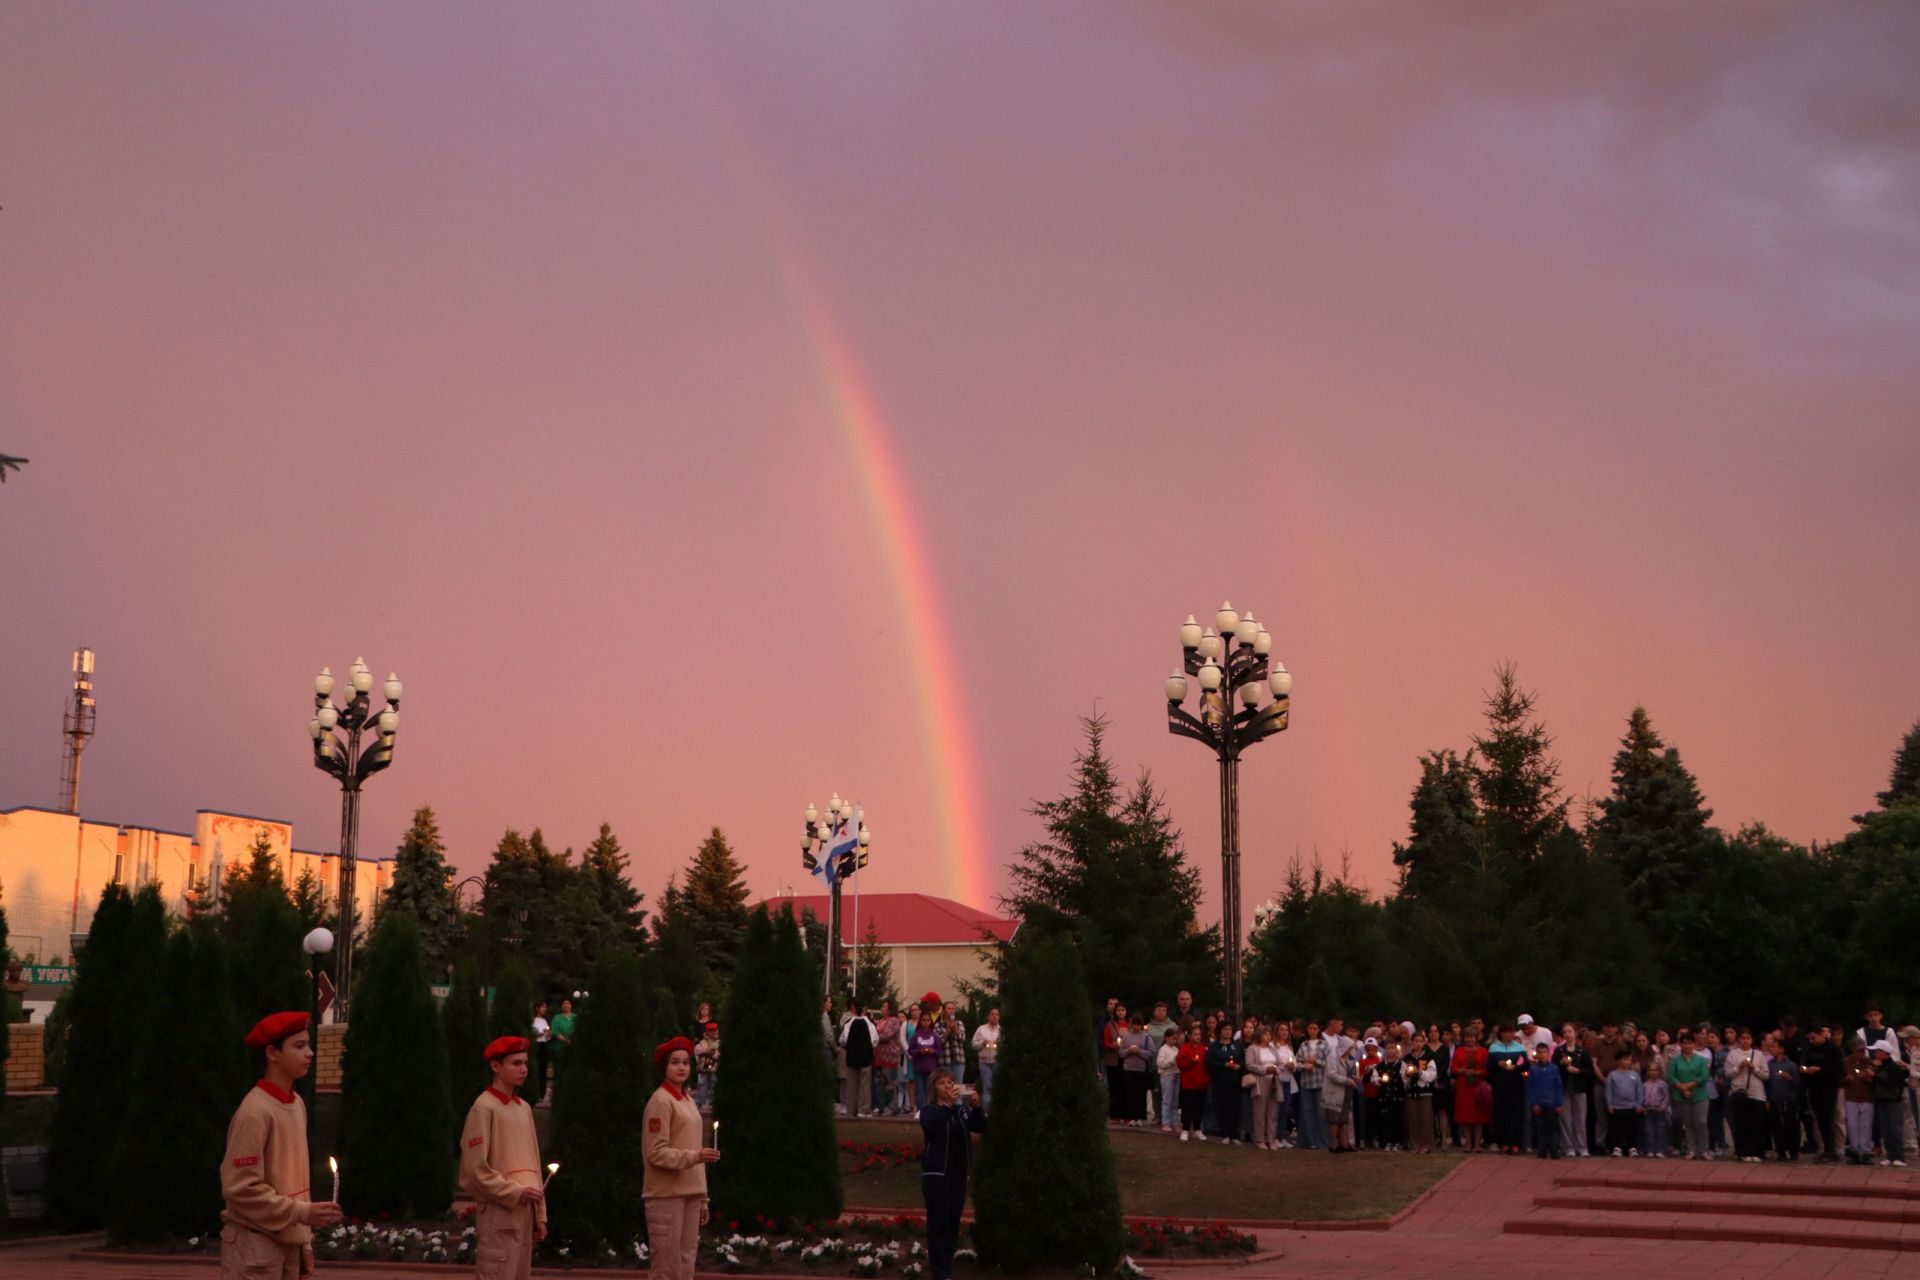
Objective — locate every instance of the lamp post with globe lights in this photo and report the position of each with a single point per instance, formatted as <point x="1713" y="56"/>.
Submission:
<point x="337" y="749"/>
<point x="1232" y="664"/>
<point x="834" y="845"/>
<point x="316" y="944"/>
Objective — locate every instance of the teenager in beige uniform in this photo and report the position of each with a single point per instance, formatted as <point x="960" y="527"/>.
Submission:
<point x="500" y="1168"/>
<point x="268" y="1222"/>
<point x="676" y="1168"/>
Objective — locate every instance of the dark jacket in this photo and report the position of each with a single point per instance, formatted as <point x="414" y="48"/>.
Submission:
<point x="1889" y="1080"/>
<point x="1544" y="1086"/>
<point x="949" y="1151"/>
<point x="1576" y="1069"/>
<point x="1825" y="1082"/>
<point x="1219" y="1054"/>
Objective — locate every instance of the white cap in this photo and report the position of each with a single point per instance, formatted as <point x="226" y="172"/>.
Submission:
<point x="1372" y="1043"/>
<point x="1526" y="1019"/>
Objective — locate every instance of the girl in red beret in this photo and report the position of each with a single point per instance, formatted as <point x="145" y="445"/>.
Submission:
<point x="500" y="1167"/>
<point x="676" y="1165"/>
<point x="269" y="1217"/>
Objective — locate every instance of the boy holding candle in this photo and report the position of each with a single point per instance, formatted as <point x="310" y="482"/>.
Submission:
<point x="1546" y="1095"/>
<point x="269" y="1217"/>
<point x="500" y="1167"/>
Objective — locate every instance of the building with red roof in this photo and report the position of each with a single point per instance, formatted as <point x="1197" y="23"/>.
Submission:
<point x="933" y="943"/>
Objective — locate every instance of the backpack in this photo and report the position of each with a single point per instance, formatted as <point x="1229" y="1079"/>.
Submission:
<point x="859" y="1044"/>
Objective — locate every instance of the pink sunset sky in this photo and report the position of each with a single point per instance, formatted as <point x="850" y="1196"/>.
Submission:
<point x="707" y="408"/>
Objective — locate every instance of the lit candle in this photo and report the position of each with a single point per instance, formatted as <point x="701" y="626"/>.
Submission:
<point x="716" y="1135"/>
<point x="334" y="1165"/>
<point x="551" y="1170"/>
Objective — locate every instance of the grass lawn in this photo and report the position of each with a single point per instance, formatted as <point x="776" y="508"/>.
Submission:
<point x="1161" y="1175"/>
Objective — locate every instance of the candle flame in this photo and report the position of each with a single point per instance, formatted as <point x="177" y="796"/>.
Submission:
<point x="553" y="1168"/>
<point x="333" y="1166"/>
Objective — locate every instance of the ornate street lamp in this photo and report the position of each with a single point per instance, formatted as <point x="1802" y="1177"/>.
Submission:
<point x="1231" y="664"/>
<point x="834" y="845"/>
<point x="337" y="749"/>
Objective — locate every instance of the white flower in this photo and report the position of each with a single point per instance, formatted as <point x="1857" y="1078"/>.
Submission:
<point x="966" y="1254"/>
<point x="1127" y="1267"/>
<point x="193" y="1242"/>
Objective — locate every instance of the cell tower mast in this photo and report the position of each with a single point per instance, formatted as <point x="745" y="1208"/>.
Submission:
<point x="76" y="728"/>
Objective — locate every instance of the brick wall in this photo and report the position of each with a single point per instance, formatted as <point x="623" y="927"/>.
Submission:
<point x="326" y="1059"/>
<point x="26" y="1057"/>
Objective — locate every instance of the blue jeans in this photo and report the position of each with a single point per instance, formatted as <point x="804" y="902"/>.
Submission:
<point x="1170" y="1101"/>
<point x="1280" y="1121"/>
<point x="922" y="1088"/>
<point x="1313" y="1121"/>
<point x="986" y="1086"/>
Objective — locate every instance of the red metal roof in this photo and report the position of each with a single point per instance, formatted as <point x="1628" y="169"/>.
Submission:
<point x="905" y="919"/>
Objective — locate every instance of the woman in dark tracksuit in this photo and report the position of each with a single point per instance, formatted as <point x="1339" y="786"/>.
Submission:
<point x="947" y="1122"/>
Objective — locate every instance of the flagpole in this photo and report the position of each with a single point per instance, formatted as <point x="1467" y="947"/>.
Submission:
<point x="856" y="902"/>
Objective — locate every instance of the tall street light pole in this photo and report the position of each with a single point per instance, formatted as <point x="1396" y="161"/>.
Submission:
<point x="1230" y="663"/>
<point x="336" y="733"/>
<point x="834" y="845"/>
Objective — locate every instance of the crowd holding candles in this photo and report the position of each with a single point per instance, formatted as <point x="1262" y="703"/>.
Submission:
<point x="1828" y="1092"/>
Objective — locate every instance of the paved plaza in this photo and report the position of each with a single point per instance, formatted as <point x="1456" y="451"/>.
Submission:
<point x="1485" y="1214"/>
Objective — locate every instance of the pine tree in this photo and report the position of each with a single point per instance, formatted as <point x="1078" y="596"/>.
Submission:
<point x="1112" y="874"/>
<point x="309" y="901"/>
<point x="675" y="955"/>
<point x="1904" y="782"/>
<point x="112" y="991"/>
<point x="1653" y="824"/>
<point x="542" y="909"/>
<point x="775" y="1090"/>
<point x="599" y="1105"/>
<point x="422" y="888"/>
<point x="605" y="867"/>
<point x="714" y="898"/>
<point x="1047" y="1195"/>
<point x="177" y="1120"/>
<point x="398" y="1128"/>
<point x="512" y="1011"/>
<point x="873" y="970"/>
<point x="666" y="1023"/>
<point x="1446" y="819"/>
<point x="463" y="1015"/>
<point x="1516" y="780"/>
<point x="261" y="929"/>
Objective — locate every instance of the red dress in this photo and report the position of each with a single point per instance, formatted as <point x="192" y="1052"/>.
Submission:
<point x="1469" y="1070"/>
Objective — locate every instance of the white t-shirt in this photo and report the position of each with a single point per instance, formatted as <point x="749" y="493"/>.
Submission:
<point x="542" y="1029"/>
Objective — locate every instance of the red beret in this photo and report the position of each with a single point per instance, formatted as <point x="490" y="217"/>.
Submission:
<point x="932" y="997"/>
<point x="276" y="1027"/>
<point x="505" y="1045"/>
<point x="713" y="1026"/>
<point x="661" y="1052"/>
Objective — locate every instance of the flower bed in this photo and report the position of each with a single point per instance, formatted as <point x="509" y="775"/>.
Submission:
<point x="879" y="1155"/>
<point x="894" y="1245"/>
<point x="1162" y="1238"/>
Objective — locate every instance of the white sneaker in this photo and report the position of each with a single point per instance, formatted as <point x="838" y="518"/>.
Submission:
<point x="1634" y="1152"/>
<point x="1183" y="1135"/>
<point x="1899" y="1164"/>
<point x="1616" y="1153"/>
<point x="1199" y="1136"/>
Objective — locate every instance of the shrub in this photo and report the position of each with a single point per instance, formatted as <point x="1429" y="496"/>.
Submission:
<point x="599" y="1105"/>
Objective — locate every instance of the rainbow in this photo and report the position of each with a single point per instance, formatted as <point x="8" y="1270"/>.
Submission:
<point x="888" y="500"/>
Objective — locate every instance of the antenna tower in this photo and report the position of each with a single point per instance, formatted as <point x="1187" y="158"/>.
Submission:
<point x="76" y="728"/>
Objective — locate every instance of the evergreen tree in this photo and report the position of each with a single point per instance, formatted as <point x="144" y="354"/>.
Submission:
<point x="463" y="1015"/>
<point x="775" y="1089"/>
<point x="1516" y="780"/>
<point x="512" y="1010"/>
<point x="309" y="901"/>
<point x="1871" y="886"/>
<point x="604" y="865"/>
<point x="422" y="888"/>
<point x="1111" y="874"/>
<point x="675" y="956"/>
<point x="260" y="872"/>
<point x="1653" y="824"/>
<point x="1320" y="919"/>
<point x="668" y="1021"/>
<point x="1904" y="782"/>
<point x="542" y="909"/>
<point x="118" y="966"/>
<point x="398" y="1128"/>
<point x="176" y="1121"/>
<point x="1446" y="821"/>
<point x="873" y="970"/>
<point x="714" y="898"/>
<point x="1047" y="1195"/>
<point x="599" y="1106"/>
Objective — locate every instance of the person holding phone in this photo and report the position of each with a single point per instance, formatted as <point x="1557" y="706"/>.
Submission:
<point x="947" y="1123"/>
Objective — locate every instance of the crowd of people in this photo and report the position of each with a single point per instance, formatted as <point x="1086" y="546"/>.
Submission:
<point x="1693" y="1093"/>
